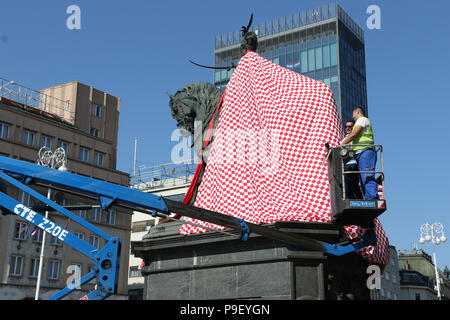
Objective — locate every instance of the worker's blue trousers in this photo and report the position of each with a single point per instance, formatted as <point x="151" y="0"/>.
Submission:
<point x="367" y="161"/>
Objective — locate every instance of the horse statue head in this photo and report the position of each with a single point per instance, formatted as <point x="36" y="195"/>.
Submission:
<point x="196" y="102"/>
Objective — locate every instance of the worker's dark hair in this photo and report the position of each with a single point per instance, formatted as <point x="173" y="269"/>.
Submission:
<point x="360" y="109"/>
<point x="350" y="120"/>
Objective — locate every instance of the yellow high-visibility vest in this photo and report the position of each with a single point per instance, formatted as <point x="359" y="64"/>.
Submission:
<point x="365" y="137"/>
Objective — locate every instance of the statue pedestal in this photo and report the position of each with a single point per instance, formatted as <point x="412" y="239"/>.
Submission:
<point x="214" y="265"/>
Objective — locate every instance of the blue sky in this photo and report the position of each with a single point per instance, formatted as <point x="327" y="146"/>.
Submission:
<point x="138" y="51"/>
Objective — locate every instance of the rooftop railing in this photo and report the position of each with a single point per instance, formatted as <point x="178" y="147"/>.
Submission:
<point x="36" y="100"/>
<point x="291" y="22"/>
<point x="164" y="175"/>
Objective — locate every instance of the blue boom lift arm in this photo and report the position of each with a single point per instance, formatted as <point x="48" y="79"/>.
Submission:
<point x="106" y="260"/>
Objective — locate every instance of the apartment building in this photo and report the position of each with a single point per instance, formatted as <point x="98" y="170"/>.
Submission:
<point x="84" y="122"/>
<point x="418" y="277"/>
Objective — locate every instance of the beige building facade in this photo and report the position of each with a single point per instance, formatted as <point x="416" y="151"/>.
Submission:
<point x="84" y="122"/>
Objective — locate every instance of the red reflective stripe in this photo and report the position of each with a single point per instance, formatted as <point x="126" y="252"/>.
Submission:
<point x="208" y="135"/>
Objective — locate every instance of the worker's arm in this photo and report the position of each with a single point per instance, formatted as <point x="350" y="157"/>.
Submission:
<point x="356" y="131"/>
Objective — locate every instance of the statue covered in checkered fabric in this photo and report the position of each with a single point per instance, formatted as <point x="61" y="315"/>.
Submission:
<point x="266" y="160"/>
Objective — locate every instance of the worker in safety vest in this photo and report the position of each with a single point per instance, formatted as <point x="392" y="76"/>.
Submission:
<point x="352" y="189"/>
<point x="362" y="142"/>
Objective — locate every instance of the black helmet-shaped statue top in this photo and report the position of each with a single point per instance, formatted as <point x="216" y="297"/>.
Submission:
<point x="249" y="39"/>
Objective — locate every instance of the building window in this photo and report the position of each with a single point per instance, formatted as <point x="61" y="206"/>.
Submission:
<point x="304" y="61"/>
<point x="99" y="158"/>
<point x="79" y="235"/>
<point x="333" y="53"/>
<point x="417" y="296"/>
<point x="217" y="76"/>
<point x="311" y="60"/>
<point x="20" y="230"/>
<point x="387" y="275"/>
<point x="94" y="241"/>
<point x="4" y="130"/>
<point x="81" y="213"/>
<point x="64" y="145"/>
<point x="55" y="241"/>
<point x="46" y="142"/>
<point x="97" y="111"/>
<point x="395" y="296"/>
<point x="84" y="154"/>
<point x="135" y="272"/>
<point x="53" y="269"/>
<point x="326" y="56"/>
<point x="28" y="138"/>
<point x="37" y="237"/>
<point x="319" y="58"/>
<point x="95" y="132"/>
<point x="96" y="214"/>
<point x="111" y="217"/>
<point x="24" y="198"/>
<point x="394" y="278"/>
<point x="67" y="107"/>
<point x="389" y="294"/>
<point x="15" y="267"/>
<point x="34" y="267"/>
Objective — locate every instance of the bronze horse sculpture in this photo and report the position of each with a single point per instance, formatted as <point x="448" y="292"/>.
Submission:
<point x="197" y="101"/>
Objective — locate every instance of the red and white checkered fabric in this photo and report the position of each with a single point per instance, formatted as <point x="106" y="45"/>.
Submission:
<point x="380" y="192"/>
<point x="266" y="159"/>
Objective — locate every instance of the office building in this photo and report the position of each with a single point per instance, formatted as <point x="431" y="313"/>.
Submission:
<point x="325" y="44"/>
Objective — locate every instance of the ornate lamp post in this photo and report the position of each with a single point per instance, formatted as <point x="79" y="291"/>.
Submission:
<point x="55" y="160"/>
<point x="434" y="233"/>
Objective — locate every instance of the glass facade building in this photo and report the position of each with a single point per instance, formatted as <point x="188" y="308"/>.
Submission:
<point x="323" y="43"/>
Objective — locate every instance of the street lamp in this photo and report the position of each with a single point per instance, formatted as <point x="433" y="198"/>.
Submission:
<point x="55" y="160"/>
<point x="434" y="233"/>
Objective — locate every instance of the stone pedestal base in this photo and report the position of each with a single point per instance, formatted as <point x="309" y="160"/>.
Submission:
<point x="218" y="266"/>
